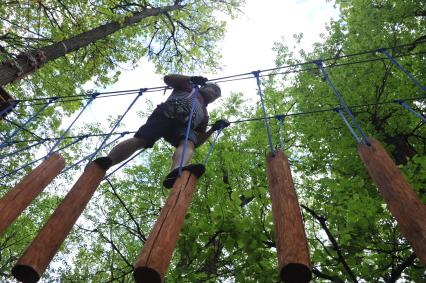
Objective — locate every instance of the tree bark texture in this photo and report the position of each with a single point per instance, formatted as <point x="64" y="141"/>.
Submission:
<point x="7" y="102"/>
<point x="156" y="254"/>
<point x="402" y="201"/>
<point x="26" y="63"/>
<point x="17" y="199"/>
<point x="38" y="255"/>
<point x="292" y="247"/>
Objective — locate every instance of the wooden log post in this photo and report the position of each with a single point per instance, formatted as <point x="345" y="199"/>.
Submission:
<point x="17" y="199"/>
<point x="402" y="201"/>
<point x="156" y="254"/>
<point x="38" y="255"/>
<point x="290" y="238"/>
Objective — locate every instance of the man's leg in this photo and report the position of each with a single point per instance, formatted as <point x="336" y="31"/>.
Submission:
<point x="176" y="159"/>
<point x="196" y="169"/>
<point x="177" y="156"/>
<point x="121" y="152"/>
<point x="125" y="149"/>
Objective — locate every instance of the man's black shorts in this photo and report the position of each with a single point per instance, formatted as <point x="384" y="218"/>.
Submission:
<point x="159" y="126"/>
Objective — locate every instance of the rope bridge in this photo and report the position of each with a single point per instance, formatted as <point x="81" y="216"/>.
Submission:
<point x="153" y="261"/>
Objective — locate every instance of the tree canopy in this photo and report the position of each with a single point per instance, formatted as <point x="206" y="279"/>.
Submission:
<point x="109" y="36"/>
<point x="228" y="233"/>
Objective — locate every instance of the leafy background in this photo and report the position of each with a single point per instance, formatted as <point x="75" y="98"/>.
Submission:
<point x="228" y="235"/>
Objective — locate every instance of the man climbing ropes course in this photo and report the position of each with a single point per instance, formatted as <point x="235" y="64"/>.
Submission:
<point x="170" y="121"/>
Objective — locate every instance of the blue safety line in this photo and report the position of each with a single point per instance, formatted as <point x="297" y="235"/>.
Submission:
<point x="338" y="110"/>
<point x="94" y="95"/>
<point x="124" y="163"/>
<point x="140" y="93"/>
<point x="23" y="149"/>
<point x="9" y="107"/>
<point x="188" y="128"/>
<point x="256" y="74"/>
<point x="91" y="155"/>
<point x="342" y="101"/>
<point x="44" y="157"/>
<point x="212" y="146"/>
<point x="26" y="123"/>
<point x="403" y="104"/>
<point x="416" y="82"/>
<point x="23" y="129"/>
<point x="280" y="118"/>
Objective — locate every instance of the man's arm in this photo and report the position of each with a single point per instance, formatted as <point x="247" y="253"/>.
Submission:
<point x="178" y="81"/>
<point x="203" y="136"/>
<point x="183" y="82"/>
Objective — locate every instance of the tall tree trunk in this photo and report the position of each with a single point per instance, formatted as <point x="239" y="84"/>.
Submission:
<point x="26" y="63"/>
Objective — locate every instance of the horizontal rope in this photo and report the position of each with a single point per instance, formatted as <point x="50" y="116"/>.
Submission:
<point x="72" y="137"/>
<point x="323" y="60"/>
<point x="316" y="68"/>
<point x="317" y="111"/>
<point x="63" y="99"/>
<point x="323" y="110"/>
<point x="237" y="77"/>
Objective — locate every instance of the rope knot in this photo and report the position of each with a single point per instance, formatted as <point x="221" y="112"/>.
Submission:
<point x="256" y="73"/>
<point x="95" y="94"/>
<point x="318" y="63"/>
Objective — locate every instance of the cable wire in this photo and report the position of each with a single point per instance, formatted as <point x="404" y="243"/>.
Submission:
<point x="311" y="112"/>
<point x="242" y="76"/>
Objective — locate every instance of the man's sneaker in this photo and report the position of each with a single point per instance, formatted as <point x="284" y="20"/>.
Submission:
<point x="104" y="162"/>
<point x="196" y="169"/>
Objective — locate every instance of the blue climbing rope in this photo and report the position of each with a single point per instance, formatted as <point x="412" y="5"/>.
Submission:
<point x="343" y="103"/>
<point x="339" y="110"/>
<point x="256" y="74"/>
<point x="94" y="95"/>
<point x="92" y="154"/>
<point x="140" y="93"/>
<point x="124" y="163"/>
<point x="188" y="127"/>
<point x="24" y="149"/>
<point x="416" y="82"/>
<point x="280" y="118"/>
<point x="212" y="146"/>
<point x="23" y="129"/>
<point x="34" y="161"/>
<point x="20" y="128"/>
<point x="403" y="104"/>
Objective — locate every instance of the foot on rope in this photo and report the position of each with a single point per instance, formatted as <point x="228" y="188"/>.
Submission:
<point x="104" y="162"/>
<point x="196" y="169"/>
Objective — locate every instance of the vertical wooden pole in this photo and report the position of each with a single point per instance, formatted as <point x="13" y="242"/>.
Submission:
<point x="18" y="198"/>
<point x="36" y="258"/>
<point x="402" y="201"/>
<point x="290" y="238"/>
<point x="156" y="254"/>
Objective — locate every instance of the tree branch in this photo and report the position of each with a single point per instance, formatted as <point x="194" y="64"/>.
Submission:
<point x="333" y="241"/>
<point x="396" y="273"/>
<point x="326" y="276"/>
<point x="142" y="236"/>
<point x="14" y="70"/>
